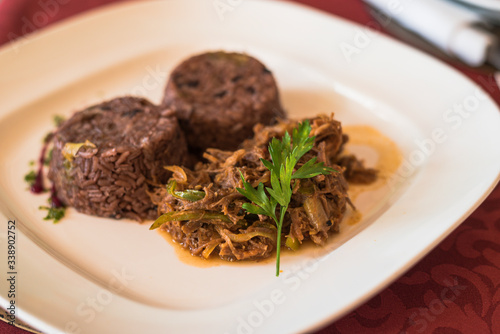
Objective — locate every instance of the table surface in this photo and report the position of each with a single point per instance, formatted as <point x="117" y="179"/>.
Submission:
<point x="454" y="289"/>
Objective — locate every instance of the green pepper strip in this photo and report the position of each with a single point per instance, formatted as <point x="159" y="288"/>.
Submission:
<point x="188" y="215"/>
<point x="189" y="194"/>
<point x="292" y="243"/>
<point x="242" y="237"/>
<point x="316" y="213"/>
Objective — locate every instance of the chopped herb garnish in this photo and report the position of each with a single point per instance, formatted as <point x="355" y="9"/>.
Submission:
<point x="30" y="178"/>
<point x="54" y="213"/>
<point x="58" y="119"/>
<point x="31" y="163"/>
<point x="47" y="159"/>
<point x="285" y="155"/>
<point x="48" y="137"/>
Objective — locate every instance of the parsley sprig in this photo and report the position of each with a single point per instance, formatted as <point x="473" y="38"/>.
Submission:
<point x="285" y="154"/>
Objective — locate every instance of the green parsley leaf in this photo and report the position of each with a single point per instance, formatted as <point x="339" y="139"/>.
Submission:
<point x="254" y="209"/>
<point x="311" y="169"/>
<point x="285" y="155"/>
<point x="265" y="205"/>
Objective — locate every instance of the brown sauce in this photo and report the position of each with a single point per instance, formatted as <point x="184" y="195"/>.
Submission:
<point x="186" y="257"/>
<point x="379" y="152"/>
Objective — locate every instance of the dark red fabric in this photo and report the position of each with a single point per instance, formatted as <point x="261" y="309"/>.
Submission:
<point x="20" y="17"/>
<point x="454" y="289"/>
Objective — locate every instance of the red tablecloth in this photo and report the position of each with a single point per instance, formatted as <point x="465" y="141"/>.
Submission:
<point x="454" y="289"/>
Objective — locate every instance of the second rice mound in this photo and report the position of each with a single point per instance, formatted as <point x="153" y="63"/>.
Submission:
<point x="220" y="96"/>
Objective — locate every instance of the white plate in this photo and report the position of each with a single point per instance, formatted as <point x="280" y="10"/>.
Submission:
<point x="66" y="271"/>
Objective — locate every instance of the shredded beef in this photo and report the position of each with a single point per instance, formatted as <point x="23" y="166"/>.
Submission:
<point x="316" y="209"/>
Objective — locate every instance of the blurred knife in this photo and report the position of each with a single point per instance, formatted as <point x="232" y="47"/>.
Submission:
<point x="447" y="26"/>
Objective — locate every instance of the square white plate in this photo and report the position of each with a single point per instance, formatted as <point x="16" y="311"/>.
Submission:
<point x="104" y="276"/>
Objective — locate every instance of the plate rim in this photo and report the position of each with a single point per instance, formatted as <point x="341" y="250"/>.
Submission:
<point x="81" y="18"/>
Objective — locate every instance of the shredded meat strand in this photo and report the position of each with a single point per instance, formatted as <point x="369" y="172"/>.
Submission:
<point x="316" y="209"/>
